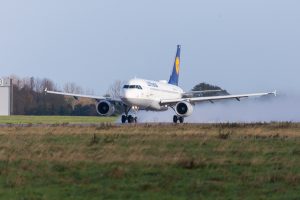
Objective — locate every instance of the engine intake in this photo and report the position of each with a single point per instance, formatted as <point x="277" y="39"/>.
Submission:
<point x="184" y="108"/>
<point x="105" y="108"/>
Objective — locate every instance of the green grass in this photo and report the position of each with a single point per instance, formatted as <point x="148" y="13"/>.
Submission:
<point x="21" y="119"/>
<point x="218" y="161"/>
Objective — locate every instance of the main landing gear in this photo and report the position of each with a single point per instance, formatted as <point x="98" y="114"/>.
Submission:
<point x="178" y="118"/>
<point x="129" y="118"/>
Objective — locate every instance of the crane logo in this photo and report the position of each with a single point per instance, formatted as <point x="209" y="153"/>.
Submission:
<point x="177" y="65"/>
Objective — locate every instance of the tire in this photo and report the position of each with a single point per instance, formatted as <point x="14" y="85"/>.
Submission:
<point x="123" y="119"/>
<point x="175" y="118"/>
<point x="181" y="120"/>
<point x="130" y="119"/>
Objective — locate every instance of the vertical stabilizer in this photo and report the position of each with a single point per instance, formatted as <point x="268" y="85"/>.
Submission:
<point x="175" y="72"/>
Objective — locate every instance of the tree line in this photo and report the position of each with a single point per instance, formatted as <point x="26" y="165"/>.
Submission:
<point x="29" y="99"/>
<point x="206" y="86"/>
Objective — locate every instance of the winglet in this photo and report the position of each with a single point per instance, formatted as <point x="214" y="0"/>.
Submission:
<point x="275" y="93"/>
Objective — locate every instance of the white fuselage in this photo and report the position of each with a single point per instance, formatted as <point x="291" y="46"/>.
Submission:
<point x="146" y="95"/>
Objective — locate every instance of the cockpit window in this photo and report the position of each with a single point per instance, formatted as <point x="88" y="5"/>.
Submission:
<point x="132" y="87"/>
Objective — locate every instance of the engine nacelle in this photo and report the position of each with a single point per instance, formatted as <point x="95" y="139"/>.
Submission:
<point x="105" y="108"/>
<point x="184" y="108"/>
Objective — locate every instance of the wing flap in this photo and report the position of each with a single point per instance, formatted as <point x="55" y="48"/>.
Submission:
<point x="202" y="91"/>
<point x="191" y="93"/>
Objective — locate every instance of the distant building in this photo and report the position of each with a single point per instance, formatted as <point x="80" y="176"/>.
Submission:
<point x="6" y="96"/>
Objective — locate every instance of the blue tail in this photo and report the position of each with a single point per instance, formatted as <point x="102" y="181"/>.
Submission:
<point x="175" y="72"/>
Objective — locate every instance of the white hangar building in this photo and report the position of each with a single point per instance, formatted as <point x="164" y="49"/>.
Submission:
<point x="6" y="94"/>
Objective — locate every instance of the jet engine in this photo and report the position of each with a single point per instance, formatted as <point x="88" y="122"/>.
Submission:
<point x="105" y="108"/>
<point x="184" y="108"/>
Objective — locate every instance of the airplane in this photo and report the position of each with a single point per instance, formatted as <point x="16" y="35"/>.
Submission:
<point x="141" y="94"/>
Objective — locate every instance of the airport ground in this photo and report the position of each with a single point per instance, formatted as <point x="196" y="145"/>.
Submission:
<point x="149" y="161"/>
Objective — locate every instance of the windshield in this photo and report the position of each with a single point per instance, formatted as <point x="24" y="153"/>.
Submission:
<point x="132" y="87"/>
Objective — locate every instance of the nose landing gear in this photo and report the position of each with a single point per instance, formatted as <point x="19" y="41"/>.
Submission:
<point x="126" y="117"/>
<point x="178" y="118"/>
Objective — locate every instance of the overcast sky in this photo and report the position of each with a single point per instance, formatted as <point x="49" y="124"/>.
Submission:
<point x="240" y="45"/>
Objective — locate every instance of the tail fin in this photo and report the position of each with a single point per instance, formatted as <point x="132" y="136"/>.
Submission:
<point x="175" y="72"/>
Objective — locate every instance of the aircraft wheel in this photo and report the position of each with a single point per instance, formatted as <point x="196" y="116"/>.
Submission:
<point x="181" y="119"/>
<point x="175" y="118"/>
<point x="135" y="119"/>
<point x="130" y="119"/>
<point x="123" y="119"/>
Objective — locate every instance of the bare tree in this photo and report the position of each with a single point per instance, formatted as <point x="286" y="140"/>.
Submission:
<point x="114" y="91"/>
<point x="39" y="85"/>
<point x="72" y="88"/>
<point x="46" y="83"/>
<point x="89" y="91"/>
<point x="16" y="81"/>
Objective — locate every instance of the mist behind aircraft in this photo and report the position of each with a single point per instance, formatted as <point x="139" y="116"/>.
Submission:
<point x="284" y="107"/>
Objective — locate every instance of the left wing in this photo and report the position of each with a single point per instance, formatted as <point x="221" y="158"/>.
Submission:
<point x="213" y="98"/>
<point x="76" y="96"/>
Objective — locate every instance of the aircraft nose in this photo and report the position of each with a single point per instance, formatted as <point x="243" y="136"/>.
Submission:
<point x="128" y="94"/>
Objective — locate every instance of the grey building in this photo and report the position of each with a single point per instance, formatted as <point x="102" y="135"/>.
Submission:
<point x="6" y="96"/>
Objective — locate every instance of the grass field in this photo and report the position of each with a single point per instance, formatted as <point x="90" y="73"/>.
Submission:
<point x="208" y="161"/>
<point x="20" y="119"/>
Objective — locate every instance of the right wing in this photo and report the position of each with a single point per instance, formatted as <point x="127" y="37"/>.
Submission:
<point x="213" y="98"/>
<point x="76" y="96"/>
